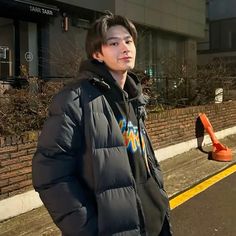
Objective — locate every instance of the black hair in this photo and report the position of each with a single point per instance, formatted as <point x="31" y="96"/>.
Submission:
<point x="96" y="36"/>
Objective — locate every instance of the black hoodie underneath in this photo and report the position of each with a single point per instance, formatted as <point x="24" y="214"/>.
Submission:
<point x="154" y="204"/>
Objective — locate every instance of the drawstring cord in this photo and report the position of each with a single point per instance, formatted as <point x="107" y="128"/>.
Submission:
<point x="141" y="140"/>
<point x="144" y="153"/>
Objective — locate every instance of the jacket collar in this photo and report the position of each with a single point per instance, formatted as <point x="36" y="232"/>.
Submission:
<point x="101" y="77"/>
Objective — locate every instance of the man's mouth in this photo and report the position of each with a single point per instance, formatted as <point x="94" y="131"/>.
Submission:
<point x="125" y="58"/>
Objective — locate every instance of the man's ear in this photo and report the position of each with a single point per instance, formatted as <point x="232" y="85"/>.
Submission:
<point x="98" y="56"/>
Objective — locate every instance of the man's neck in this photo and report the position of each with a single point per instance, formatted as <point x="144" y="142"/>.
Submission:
<point x="120" y="77"/>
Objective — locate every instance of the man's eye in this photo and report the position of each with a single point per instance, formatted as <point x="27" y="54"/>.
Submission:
<point x="129" y="41"/>
<point x="113" y="44"/>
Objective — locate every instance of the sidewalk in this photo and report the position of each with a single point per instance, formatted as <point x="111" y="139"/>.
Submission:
<point x="180" y="172"/>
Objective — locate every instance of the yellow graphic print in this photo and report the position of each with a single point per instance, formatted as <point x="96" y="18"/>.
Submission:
<point x="131" y="136"/>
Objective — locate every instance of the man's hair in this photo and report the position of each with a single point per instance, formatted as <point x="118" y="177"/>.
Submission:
<point x="96" y="36"/>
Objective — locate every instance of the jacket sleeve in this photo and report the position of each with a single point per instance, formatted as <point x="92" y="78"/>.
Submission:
<point x="55" y="168"/>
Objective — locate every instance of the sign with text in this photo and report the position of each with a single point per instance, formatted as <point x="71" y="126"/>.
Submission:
<point x="37" y="7"/>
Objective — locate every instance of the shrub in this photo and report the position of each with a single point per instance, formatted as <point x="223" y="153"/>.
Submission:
<point x="25" y="109"/>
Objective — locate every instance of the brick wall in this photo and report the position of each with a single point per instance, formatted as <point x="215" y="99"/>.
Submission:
<point x="178" y="125"/>
<point x="165" y="128"/>
<point x="15" y="163"/>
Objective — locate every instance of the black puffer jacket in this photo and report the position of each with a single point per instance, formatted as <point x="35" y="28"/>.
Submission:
<point x="81" y="168"/>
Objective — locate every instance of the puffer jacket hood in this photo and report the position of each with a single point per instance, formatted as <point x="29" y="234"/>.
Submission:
<point x="132" y="92"/>
<point x="104" y="80"/>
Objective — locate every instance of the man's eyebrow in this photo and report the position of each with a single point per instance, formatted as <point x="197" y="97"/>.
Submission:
<point x="117" y="37"/>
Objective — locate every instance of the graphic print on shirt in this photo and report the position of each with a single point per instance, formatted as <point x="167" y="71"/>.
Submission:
<point x="131" y="136"/>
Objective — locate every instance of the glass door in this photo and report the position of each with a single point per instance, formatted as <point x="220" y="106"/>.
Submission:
<point x="28" y="47"/>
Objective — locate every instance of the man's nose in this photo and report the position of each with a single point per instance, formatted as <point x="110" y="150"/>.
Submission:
<point x="124" y="47"/>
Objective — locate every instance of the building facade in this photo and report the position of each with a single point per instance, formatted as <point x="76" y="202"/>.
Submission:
<point x="220" y="32"/>
<point x="47" y="37"/>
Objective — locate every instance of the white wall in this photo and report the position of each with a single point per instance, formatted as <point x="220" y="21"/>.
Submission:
<point x="185" y="17"/>
<point x="181" y="16"/>
<point x="97" y="5"/>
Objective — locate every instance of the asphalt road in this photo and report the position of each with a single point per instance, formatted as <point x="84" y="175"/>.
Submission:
<point x="210" y="213"/>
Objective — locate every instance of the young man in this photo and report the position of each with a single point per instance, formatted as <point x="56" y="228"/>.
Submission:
<point x="94" y="168"/>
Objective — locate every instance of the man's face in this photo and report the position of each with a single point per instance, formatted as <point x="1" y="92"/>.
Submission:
<point x="119" y="52"/>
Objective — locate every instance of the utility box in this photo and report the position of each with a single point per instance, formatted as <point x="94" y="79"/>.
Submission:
<point x="219" y="95"/>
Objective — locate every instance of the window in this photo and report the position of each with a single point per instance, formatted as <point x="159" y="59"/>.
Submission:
<point x="154" y="46"/>
<point x="18" y="46"/>
<point x="6" y="48"/>
<point x="223" y="35"/>
<point x="215" y="35"/>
